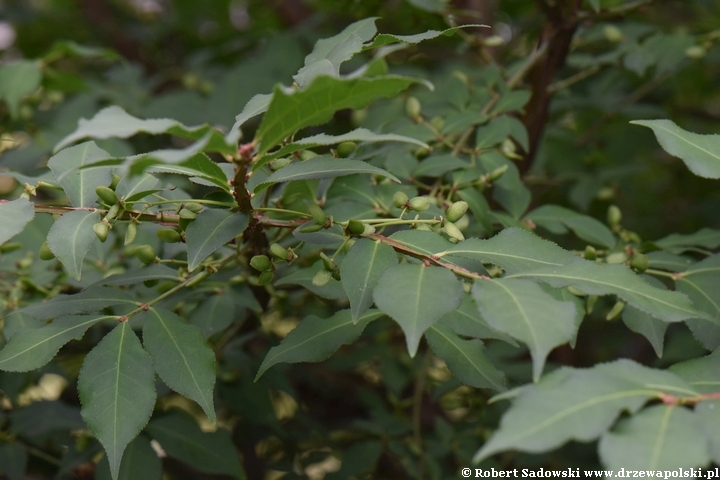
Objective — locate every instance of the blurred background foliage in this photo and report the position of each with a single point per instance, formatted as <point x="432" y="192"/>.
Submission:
<point x="200" y="62"/>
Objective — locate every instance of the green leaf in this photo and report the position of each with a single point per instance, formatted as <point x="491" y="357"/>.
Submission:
<point x="509" y="190"/>
<point x="181" y="438"/>
<point x="117" y="391"/>
<point x="388" y="38"/>
<point x="80" y="183"/>
<point x="707" y="413"/>
<point x="214" y="314"/>
<point x="416" y="297"/>
<point x="210" y="230"/>
<point x="357" y="135"/>
<point x="701" y="153"/>
<point x="71" y="237"/>
<point x="439" y="165"/>
<point x="500" y="128"/>
<point x="31" y="348"/>
<point x="114" y="122"/>
<point x="660" y="437"/>
<point x="435" y="6"/>
<point x="290" y="111"/>
<point x="315" y="339"/>
<point x="467" y="321"/>
<point x="91" y="300"/>
<point x="512" y="101"/>
<point x="700" y="282"/>
<point x="330" y="63"/>
<point x="524" y="311"/>
<point x="364" y="29"/>
<point x="595" y="4"/>
<point x="465" y="358"/>
<point x="181" y="356"/>
<point x="513" y="249"/>
<point x="678" y="243"/>
<point x="702" y="374"/>
<point x="153" y="271"/>
<point x="13" y="458"/>
<point x="17" y="80"/>
<point x="669" y="261"/>
<point x="322" y="167"/>
<point x="596" y="279"/>
<point x="332" y="290"/>
<point x="585" y="227"/>
<point x="199" y="165"/>
<point x="14" y="216"/>
<point x="135" y="187"/>
<point x="139" y="461"/>
<point x="254" y="107"/>
<point x="360" y="270"/>
<point x="581" y="405"/>
<point x="647" y="326"/>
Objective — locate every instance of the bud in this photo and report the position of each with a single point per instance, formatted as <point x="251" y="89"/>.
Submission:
<point x="193" y="207"/>
<point x="356" y="227"/>
<point x="493" y="41"/>
<point x="615" y="310"/>
<point x="145" y="253"/>
<point x="576" y="292"/>
<point x="605" y="193"/>
<point x="400" y="199"/>
<point x="322" y="277"/>
<point x="456" y="211"/>
<point x="345" y="149"/>
<point x="497" y="173"/>
<point x="106" y="195"/>
<point x="115" y="180"/>
<point x="639" y="262"/>
<point x="327" y="262"/>
<point x="45" y="252"/>
<point x="590" y="253"/>
<point x="168" y="235"/>
<point x="616" y="258"/>
<point x="613" y="34"/>
<point x="453" y="231"/>
<point x="423" y="226"/>
<point x="187" y="214"/>
<point x="317" y="214"/>
<point x="695" y="52"/>
<point x="590" y="303"/>
<point x="437" y="122"/>
<point x="10" y="247"/>
<point x="369" y="229"/>
<point x="307" y="155"/>
<point x="279" y="251"/>
<point x="101" y="230"/>
<point x="261" y="263"/>
<point x="614" y="215"/>
<point x="419" y="204"/>
<point x="112" y="213"/>
<point x="265" y="278"/>
<point x="463" y="223"/>
<point x="413" y="108"/>
<point x="336" y="274"/>
<point x="279" y="163"/>
<point x="130" y="233"/>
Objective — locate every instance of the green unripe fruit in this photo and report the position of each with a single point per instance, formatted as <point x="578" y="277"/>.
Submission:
<point x="183" y="223"/>
<point x="614" y="215"/>
<point x="437" y="122"/>
<point x="336" y="274"/>
<point x="453" y="231"/>
<point x="322" y="277"/>
<point x="576" y="292"/>
<point x="369" y="229"/>
<point x="145" y="253"/>
<point x="261" y="263"/>
<point x="165" y="286"/>
<point x="345" y="149"/>
<point x="456" y="211"/>
<point x="265" y="278"/>
<point x="616" y="258"/>
<point x="187" y="214"/>
<point x="419" y="204"/>
<point x="613" y="33"/>
<point x="168" y="235"/>
<point x="193" y="207"/>
<point x="112" y="213"/>
<point x="615" y="311"/>
<point x="327" y="262"/>
<point x="590" y="303"/>
<point x="115" y="180"/>
<point x="695" y="52"/>
<point x="423" y="226"/>
<point x="400" y="199"/>
<point x="639" y="262"/>
<point x="45" y="252"/>
<point x="590" y="253"/>
<point x="605" y="193"/>
<point x="279" y="251"/>
<point x="463" y="223"/>
<point x="106" y="195"/>
<point x="307" y="155"/>
<point x="10" y="247"/>
<point x="497" y="173"/>
<point x="317" y="214"/>
<point x="130" y="233"/>
<point x="101" y="230"/>
<point x="279" y="163"/>
<point x="356" y="227"/>
<point x="413" y="107"/>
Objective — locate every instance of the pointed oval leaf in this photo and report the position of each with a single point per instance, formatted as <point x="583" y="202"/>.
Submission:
<point x="701" y="153"/>
<point x="31" y="348"/>
<point x="587" y="228"/>
<point x="467" y="321"/>
<point x="198" y="165"/>
<point x="91" y="300"/>
<point x="707" y="412"/>
<point x="660" y="437"/>
<point x="678" y="243"/>
<point x="181" y="438"/>
<point x="332" y="290"/>
<point x="416" y="297"/>
<point x="70" y="238"/>
<point x="14" y="216"/>
<point x="465" y="358"/>
<point x="117" y="391"/>
<point x="254" y="107"/>
<point x="154" y="271"/>
<point x="322" y="167"/>
<point x="139" y="461"/>
<point x="578" y="404"/>
<point x="18" y="80"/>
<point x="290" y="111"/>
<point x="361" y="269"/>
<point x="524" y="311"/>
<point x="210" y="230"/>
<point x="315" y="339"/>
<point x="181" y="356"/>
<point x="80" y="183"/>
<point x="214" y="314"/>
<point x="702" y="374"/>
<point x="132" y="186"/>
